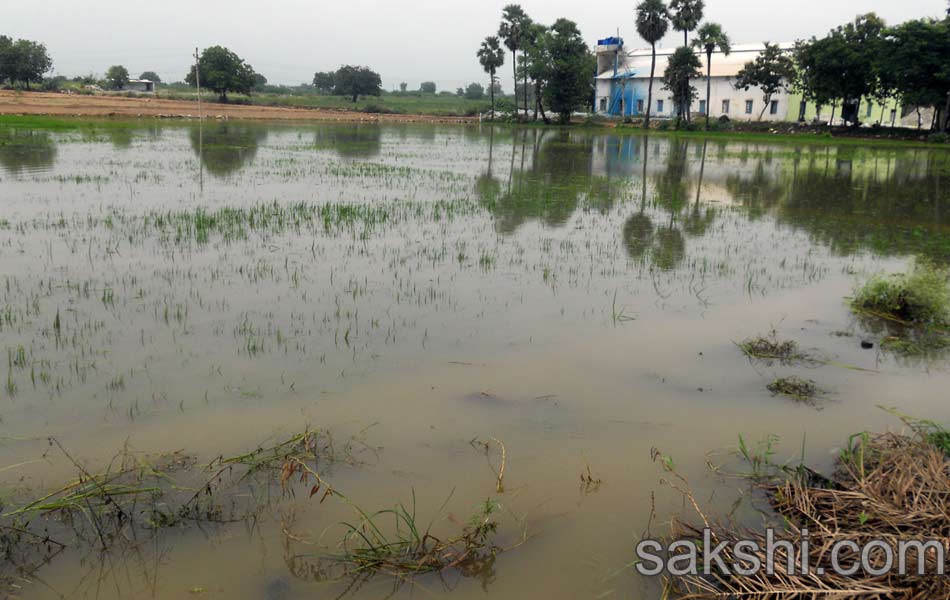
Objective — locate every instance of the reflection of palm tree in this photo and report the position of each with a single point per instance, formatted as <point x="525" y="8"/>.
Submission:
<point x="550" y="188"/>
<point x="699" y="219"/>
<point x="638" y="235"/>
<point x="669" y="249"/>
<point x="671" y="184"/>
<point x="225" y="148"/>
<point x="486" y="185"/>
<point x="26" y="150"/>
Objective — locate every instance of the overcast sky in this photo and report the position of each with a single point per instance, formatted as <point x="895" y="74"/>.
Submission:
<point x="407" y="40"/>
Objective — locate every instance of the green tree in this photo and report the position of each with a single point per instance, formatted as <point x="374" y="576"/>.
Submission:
<point x="357" y="81"/>
<point x="529" y="39"/>
<point x="811" y="79"/>
<point x="771" y="71"/>
<point x="427" y="87"/>
<point x="652" y="24"/>
<point x="685" y="16"/>
<point x="474" y="91"/>
<point x="325" y="82"/>
<point x="151" y="76"/>
<point x="682" y="66"/>
<point x="914" y="64"/>
<point x="537" y="64"/>
<point x="23" y="61"/>
<point x="222" y="71"/>
<point x="491" y="56"/>
<point x="403" y="87"/>
<point x="117" y="77"/>
<point x="709" y="37"/>
<point x="511" y="33"/>
<point x="569" y="84"/>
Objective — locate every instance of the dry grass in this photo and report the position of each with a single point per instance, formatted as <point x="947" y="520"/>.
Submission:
<point x="890" y="487"/>
<point x="796" y="388"/>
<point x="770" y="349"/>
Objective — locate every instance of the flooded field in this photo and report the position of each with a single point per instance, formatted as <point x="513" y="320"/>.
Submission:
<point x="469" y="321"/>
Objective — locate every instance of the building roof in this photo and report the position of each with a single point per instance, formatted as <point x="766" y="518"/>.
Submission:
<point x="635" y="64"/>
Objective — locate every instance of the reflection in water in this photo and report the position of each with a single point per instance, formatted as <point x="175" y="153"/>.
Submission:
<point x="549" y="175"/>
<point x="225" y="148"/>
<point x="26" y="151"/>
<point x="848" y="198"/>
<point x="351" y="141"/>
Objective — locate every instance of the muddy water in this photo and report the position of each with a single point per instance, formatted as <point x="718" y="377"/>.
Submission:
<point x="575" y="295"/>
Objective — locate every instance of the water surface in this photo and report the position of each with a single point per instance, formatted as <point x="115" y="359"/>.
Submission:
<point x="574" y="294"/>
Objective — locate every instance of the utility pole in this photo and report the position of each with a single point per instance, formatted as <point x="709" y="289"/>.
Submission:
<point x="198" y="83"/>
<point x="201" y="169"/>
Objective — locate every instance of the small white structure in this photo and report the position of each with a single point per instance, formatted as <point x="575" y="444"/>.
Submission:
<point x="623" y="78"/>
<point x="140" y="85"/>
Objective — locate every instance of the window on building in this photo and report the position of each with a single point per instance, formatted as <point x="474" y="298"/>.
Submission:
<point x="603" y="105"/>
<point x="870" y="108"/>
<point x="659" y="106"/>
<point x="748" y="107"/>
<point x="725" y="107"/>
<point x="702" y="107"/>
<point x="773" y="107"/>
<point x="639" y="107"/>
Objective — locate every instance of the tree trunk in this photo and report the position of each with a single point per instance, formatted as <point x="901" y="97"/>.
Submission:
<point x="355" y="98"/>
<point x="514" y="72"/>
<point x="524" y="54"/>
<point x="857" y="114"/>
<point x="646" y="122"/>
<point x="767" y="100"/>
<point x="491" y="87"/>
<point x="708" y="85"/>
<point x="834" y="105"/>
<point x="946" y="115"/>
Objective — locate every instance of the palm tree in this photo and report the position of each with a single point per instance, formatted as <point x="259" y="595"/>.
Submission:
<point x="709" y="37"/>
<point x="492" y="57"/>
<point x="652" y="24"/>
<point x="511" y="33"/>
<point x="686" y="15"/>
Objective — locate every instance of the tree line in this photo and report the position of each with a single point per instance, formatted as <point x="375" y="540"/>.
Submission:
<point x="555" y="66"/>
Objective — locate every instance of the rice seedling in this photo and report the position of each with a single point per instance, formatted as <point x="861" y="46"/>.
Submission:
<point x="408" y="548"/>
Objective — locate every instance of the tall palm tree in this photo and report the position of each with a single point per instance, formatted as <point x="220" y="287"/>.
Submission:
<point x="491" y="56"/>
<point x="709" y="37"/>
<point x="686" y="15"/>
<point x="652" y="24"/>
<point x="511" y="33"/>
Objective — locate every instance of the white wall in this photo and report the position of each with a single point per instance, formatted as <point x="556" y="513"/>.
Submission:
<point x="721" y="89"/>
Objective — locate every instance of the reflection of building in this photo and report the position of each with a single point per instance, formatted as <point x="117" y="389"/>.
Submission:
<point x="623" y="78"/>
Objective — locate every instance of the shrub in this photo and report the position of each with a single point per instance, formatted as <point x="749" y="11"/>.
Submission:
<point x="939" y="138"/>
<point x="921" y="297"/>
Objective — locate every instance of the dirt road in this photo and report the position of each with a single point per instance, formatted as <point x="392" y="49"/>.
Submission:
<point x="39" y="103"/>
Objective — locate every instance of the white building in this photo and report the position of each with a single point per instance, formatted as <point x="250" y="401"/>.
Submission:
<point x="623" y="78"/>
